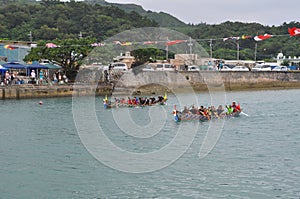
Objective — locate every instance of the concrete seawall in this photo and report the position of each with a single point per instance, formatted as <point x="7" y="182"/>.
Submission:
<point x="30" y="91"/>
<point x="160" y="82"/>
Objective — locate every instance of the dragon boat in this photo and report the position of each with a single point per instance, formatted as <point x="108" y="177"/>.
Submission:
<point x="119" y="105"/>
<point x="179" y="116"/>
<point x="134" y="102"/>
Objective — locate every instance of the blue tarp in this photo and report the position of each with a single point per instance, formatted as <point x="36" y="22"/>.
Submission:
<point x="3" y="70"/>
<point x="13" y="65"/>
<point x="53" y="66"/>
<point x="35" y="66"/>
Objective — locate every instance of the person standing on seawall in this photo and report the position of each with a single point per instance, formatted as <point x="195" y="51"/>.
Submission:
<point x="33" y="76"/>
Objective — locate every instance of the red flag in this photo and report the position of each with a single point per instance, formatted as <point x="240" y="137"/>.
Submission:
<point x="169" y="43"/>
<point x="9" y="47"/>
<point x="294" y="31"/>
<point x="262" y="37"/>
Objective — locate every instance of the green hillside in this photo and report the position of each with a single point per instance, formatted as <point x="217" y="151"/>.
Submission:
<point x="163" y="19"/>
<point x="49" y="20"/>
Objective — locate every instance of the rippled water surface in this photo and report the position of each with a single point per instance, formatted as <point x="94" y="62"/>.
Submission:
<point x="42" y="154"/>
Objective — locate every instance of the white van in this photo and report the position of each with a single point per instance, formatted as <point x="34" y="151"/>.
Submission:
<point x="119" y="66"/>
<point x="165" y="67"/>
<point x="261" y="67"/>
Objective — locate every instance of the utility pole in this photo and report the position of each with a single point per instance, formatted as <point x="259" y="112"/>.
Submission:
<point x="211" y="48"/>
<point x="190" y="44"/>
<point x="167" y="49"/>
<point x="237" y="51"/>
<point x="30" y="36"/>
<point x="255" y="52"/>
<point x="167" y="52"/>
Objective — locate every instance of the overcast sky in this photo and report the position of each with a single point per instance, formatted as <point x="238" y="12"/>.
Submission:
<point x="266" y="12"/>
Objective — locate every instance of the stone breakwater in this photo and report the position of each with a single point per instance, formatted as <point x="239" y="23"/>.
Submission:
<point x="154" y="82"/>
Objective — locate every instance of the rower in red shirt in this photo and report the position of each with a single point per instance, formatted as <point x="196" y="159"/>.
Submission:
<point x="235" y="107"/>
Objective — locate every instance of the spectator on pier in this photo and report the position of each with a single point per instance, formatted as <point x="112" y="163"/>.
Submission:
<point x="33" y="76"/>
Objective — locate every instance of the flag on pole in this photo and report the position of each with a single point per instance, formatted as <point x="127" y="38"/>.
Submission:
<point x="9" y="47"/>
<point x="169" y="43"/>
<point x="262" y="37"/>
<point x="97" y="44"/>
<point x="294" y="31"/>
<point x="231" y="38"/>
<point x="165" y="97"/>
<point x="117" y="43"/>
<point x="150" y="42"/>
<point x="246" y="37"/>
<point x="51" y="45"/>
<point x="126" y="43"/>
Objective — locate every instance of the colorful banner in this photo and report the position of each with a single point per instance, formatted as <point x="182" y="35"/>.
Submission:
<point x="231" y="38"/>
<point x="262" y="37"/>
<point x="9" y="47"/>
<point x="51" y="45"/>
<point x="169" y="43"/>
<point x="246" y="37"/>
<point x="294" y="31"/>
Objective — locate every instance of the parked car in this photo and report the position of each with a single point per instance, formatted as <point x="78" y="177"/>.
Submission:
<point x="226" y="68"/>
<point x="280" y="68"/>
<point x="261" y="67"/>
<point x="240" y="68"/>
<point x="229" y="65"/>
<point x="119" y="66"/>
<point x="193" y="68"/>
<point x="148" y="68"/>
<point x="165" y="67"/>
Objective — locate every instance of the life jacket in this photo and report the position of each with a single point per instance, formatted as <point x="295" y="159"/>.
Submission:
<point x="229" y="110"/>
<point x="129" y="101"/>
<point x="238" y="107"/>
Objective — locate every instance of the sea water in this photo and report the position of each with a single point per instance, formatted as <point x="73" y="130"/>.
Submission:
<point x="45" y="151"/>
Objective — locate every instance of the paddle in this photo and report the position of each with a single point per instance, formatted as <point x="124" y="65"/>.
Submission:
<point x="244" y="114"/>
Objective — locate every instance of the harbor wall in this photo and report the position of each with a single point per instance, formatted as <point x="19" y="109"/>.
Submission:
<point x="30" y="91"/>
<point x="159" y="82"/>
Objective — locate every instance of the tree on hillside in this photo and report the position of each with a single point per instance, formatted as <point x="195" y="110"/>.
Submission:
<point x="144" y="55"/>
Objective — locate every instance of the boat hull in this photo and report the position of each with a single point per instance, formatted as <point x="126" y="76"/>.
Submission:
<point x="109" y="106"/>
<point x="188" y="117"/>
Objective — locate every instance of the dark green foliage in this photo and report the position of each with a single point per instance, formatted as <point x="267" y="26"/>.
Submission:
<point x="163" y="19"/>
<point x="53" y="19"/>
<point x="148" y="55"/>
